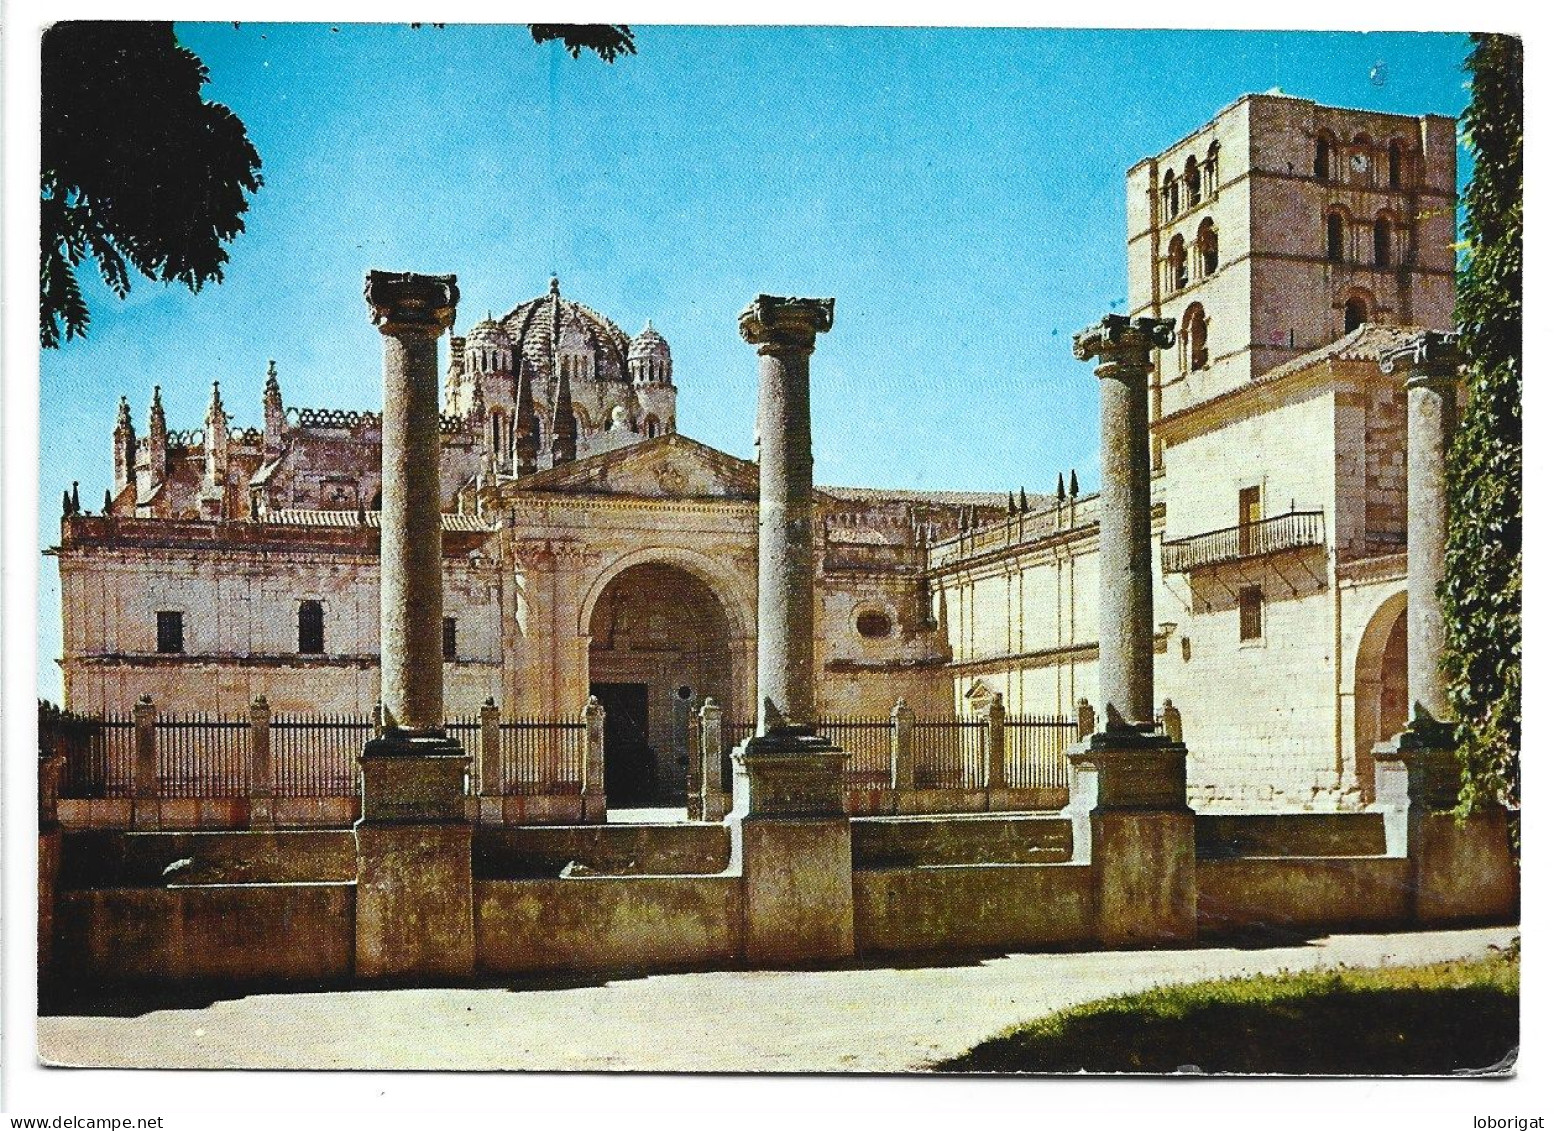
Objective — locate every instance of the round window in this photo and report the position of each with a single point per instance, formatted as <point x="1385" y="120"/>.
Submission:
<point x="873" y="624"/>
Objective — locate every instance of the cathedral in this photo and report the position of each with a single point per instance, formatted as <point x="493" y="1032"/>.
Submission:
<point x="591" y="548"/>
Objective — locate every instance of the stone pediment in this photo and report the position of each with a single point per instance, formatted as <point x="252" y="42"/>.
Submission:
<point x="667" y="467"/>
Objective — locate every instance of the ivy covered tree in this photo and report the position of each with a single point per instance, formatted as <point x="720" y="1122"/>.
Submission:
<point x="1482" y="593"/>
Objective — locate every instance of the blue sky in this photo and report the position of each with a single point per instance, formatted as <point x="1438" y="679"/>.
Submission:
<point x="959" y="192"/>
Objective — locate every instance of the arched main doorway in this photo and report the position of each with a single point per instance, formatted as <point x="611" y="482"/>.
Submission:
<point x="1380" y="686"/>
<point x="658" y="647"/>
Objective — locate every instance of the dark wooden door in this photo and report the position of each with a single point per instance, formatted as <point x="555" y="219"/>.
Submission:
<point x="629" y="765"/>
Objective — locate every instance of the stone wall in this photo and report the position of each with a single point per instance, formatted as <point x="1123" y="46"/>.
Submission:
<point x="1302" y="894"/>
<point x="239" y="933"/>
<point x="281" y="907"/>
<point x="972" y="907"/>
<point x="608" y="923"/>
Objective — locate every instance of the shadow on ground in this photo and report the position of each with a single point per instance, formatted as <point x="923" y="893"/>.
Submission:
<point x="63" y="997"/>
<point x="1340" y="1032"/>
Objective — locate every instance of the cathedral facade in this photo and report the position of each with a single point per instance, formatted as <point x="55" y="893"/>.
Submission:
<point x="591" y="548"/>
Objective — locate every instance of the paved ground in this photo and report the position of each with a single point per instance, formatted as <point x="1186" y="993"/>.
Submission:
<point x="854" y="1020"/>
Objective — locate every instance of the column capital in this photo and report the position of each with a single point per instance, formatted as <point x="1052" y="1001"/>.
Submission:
<point x="1123" y="344"/>
<point x="779" y="324"/>
<point x="403" y="302"/>
<point x="1429" y="358"/>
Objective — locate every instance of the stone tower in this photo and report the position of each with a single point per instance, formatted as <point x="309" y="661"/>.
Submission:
<point x="652" y="377"/>
<point x="1280" y="226"/>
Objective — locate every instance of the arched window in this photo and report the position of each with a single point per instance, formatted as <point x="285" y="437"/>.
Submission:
<point x="1168" y="195"/>
<point x="1176" y="264"/>
<point x="310" y="628"/>
<point x="1381" y="235"/>
<point x="1395" y="164"/>
<point x="1356" y="313"/>
<point x="1195" y="339"/>
<point x="1211" y="170"/>
<point x="496" y="432"/>
<point x="1193" y="182"/>
<point x="650" y="425"/>
<point x="535" y="430"/>
<point x="1335" y="237"/>
<point x="1322" y="167"/>
<point x="1208" y="247"/>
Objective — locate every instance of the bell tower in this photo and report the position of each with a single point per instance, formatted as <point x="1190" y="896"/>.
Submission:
<point x="1282" y="225"/>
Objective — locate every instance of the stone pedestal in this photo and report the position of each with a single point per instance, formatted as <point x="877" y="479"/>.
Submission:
<point x="1134" y="829"/>
<point x="414" y="875"/>
<point x="793" y="844"/>
<point x="1462" y="869"/>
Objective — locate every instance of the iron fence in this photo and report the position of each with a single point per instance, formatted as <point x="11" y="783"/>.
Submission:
<point x="541" y="755"/>
<point x="315" y="756"/>
<point x="1034" y="750"/>
<point x="202" y="755"/>
<point x="99" y="753"/>
<point x="950" y="753"/>
<point x="868" y="743"/>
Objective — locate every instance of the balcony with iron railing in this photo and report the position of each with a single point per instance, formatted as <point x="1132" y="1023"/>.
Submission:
<point x="1293" y="531"/>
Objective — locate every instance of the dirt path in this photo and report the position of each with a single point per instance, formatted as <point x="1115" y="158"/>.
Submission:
<point x="855" y="1020"/>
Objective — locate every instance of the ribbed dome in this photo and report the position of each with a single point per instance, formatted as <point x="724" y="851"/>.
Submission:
<point x="489" y="330"/>
<point x="649" y="343"/>
<point x="548" y="326"/>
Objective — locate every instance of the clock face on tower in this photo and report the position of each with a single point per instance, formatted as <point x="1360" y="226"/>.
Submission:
<point x="1359" y="162"/>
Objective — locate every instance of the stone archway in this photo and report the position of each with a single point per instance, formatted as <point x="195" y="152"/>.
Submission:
<point x="1380" y="686"/>
<point x="659" y="645"/>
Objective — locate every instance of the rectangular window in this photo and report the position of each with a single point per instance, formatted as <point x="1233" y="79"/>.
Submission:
<point x="169" y="632"/>
<point x="450" y="638"/>
<point x="310" y="628"/>
<point x="1252" y="612"/>
<point x="1249" y="512"/>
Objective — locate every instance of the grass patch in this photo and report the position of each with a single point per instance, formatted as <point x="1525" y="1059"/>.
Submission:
<point x="1445" y="1018"/>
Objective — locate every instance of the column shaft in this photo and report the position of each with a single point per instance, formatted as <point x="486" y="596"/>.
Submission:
<point x="411" y="599"/>
<point x="412" y="311"/>
<point x="785" y="657"/>
<point x="1126" y="558"/>
<point x="1432" y="411"/>
<point x="783" y="330"/>
<point x="1127" y="622"/>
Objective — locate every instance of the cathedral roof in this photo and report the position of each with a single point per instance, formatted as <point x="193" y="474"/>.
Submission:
<point x="488" y="329"/>
<point x="649" y="343"/>
<point x="545" y="326"/>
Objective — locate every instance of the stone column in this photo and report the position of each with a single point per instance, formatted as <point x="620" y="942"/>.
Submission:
<point x="1128" y="782"/>
<point x="1462" y="870"/>
<point x="783" y="331"/>
<point x="411" y="311"/>
<point x="791" y="838"/>
<point x="414" y="881"/>
<point x="1122" y="350"/>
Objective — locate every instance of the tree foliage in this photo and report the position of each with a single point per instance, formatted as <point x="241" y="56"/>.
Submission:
<point x="608" y="41"/>
<point x="142" y="174"/>
<point x="139" y="172"/>
<point x="1482" y="593"/>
